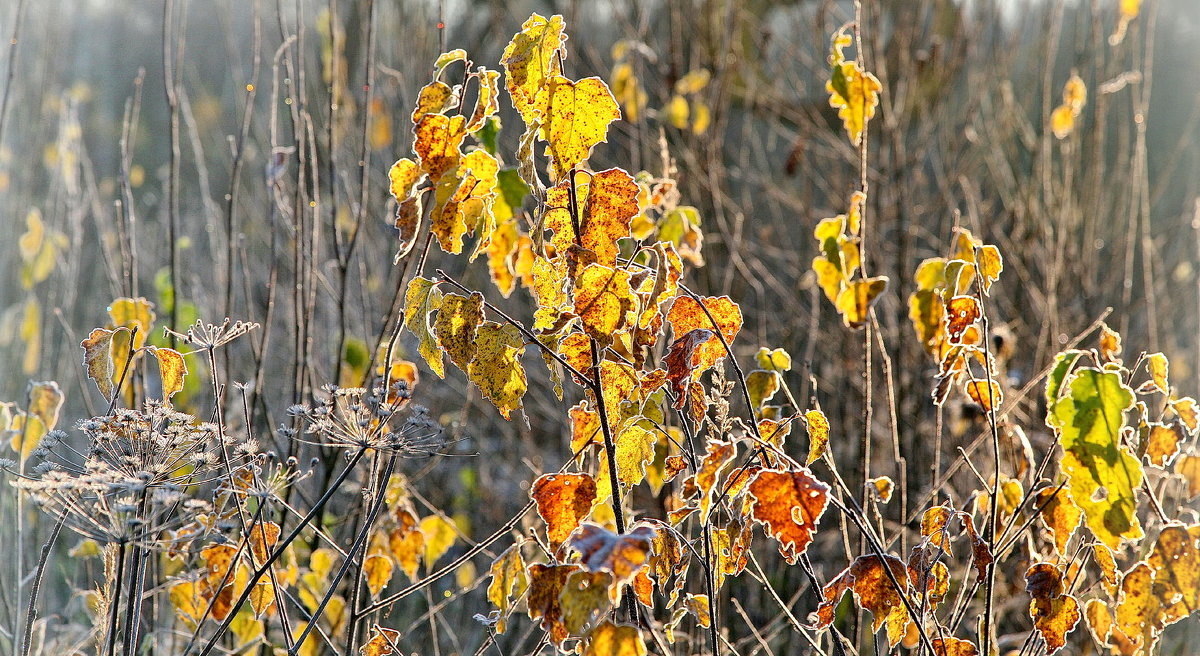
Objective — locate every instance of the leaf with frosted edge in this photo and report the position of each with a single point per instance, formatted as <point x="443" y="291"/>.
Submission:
<point x="681" y="361"/>
<point x="1109" y="344"/>
<point x="576" y="118"/>
<point x="1186" y="409"/>
<point x="1089" y="419"/>
<point x="1054" y="612"/>
<point x="563" y="500"/>
<point x="1163" y="443"/>
<point x="985" y="393"/>
<point x="403" y="177"/>
<point x="855" y="301"/>
<point x="601" y="550"/>
<point x="45" y="402"/>
<point x="717" y="460"/>
<point x="172" y="369"/>
<point x="457" y="321"/>
<point x="408" y="223"/>
<point x="434" y="98"/>
<point x="873" y="590"/>
<point x="378" y="569"/>
<point x="487" y="104"/>
<point x="852" y="91"/>
<point x="603" y="301"/>
<point x="990" y="264"/>
<point x="508" y="584"/>
<point x="634" y="450"/>
<point x="1157" y="365"/>
<point x="529" y="59"/>
<point x="1188" y="467"/>
<point x="421" y="298"/>
<point x="762" y="386"/>
<point x="464" y="204"/>
<point x="1063" y="364"/>
<point x="954" y="647"/>
<point x="788" y="504"/>
<point x="549" y="278"/>
<point x="130" y="313"/>
<point x="497" y="368"/>
<point x="380" y="643"/>
<point x="1058" y="514"/>
<point x="584" y="597"/>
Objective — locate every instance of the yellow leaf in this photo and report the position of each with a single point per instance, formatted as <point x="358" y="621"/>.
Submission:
<point x="440" y="535"/>
<point x="608" y="639"/>
<point x="45" y="402"/>
<point x="456" y="325"/>
<point x="508" y="583"/>
<point x="436" y="143"/>
<point x="378" y="569"/>
<point x="855" y="301"/>
<point x="421" y="298"/>
<point x="818" y="434"/>
<point x="1157" y="365"/>
<point x="98" y="359"/>
<point x="634" y="450"/>
<point x="31" y="335"/>
<point x="677" y="111"/>
<point x="576" y="118"/>
<point x="487" y="104"/>
<point x="529" y="59"/>
<point x="603" y="301"/>
<point x="188" y="603"/>
<point x="1062" y="121"/>
<point x="434" y="98"/>
<point x="852" y="91"/>
<point x="172" y="369"/>
<point x="990" y="264"/>
<point x="463" y="201"/>
<point x="497" y="368"/>
<point x="608" y="203"/>
<point x="403" y="176"/>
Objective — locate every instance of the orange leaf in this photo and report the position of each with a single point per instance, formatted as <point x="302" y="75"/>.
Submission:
<point x="563" y="500"/>
<point x="378" y="569"/>
<point x="546" y="583"/>
<point x="172" y="369"/>
<point x="437" y="143"/>
<point x="1054" y="613"/>
<point x="607" y="205"/>
<point x="961" y="313"/>
<point x="601" y="550"/>
<point x="681" y="361"/>
<point x="686" y="315"/>
<point x="788" y="504"/>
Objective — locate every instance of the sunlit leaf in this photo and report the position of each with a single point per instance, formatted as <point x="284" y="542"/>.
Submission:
<point x="852" y="91"/>
<point x="171" y="368"/>
<point x="563" y="500"/>
<point x="381" y="642"/>
<point x="546" y="583"/>
<point x="421" y="298"/>
<point x="603" y="301"/>
<point x="529" y="59"/>
<point x="403" y="176"/>
<point x="434" y="98"/>
<point x="497" y="368"/>
<point x="986" y="393"/>
<point x="187" y="601"/>
<point x="458" y="320"/>
<point x="1163" y="442"/>
<point x="436" y="143"/>
<point x="407" y="542"/>
<point x="576" y="118"/>
<point x="601" y="550"/>
<point x="1102" y="474"/>
<point x="1054" y="613"/>
<point x="855" y="301"/>
<point x="607" y="204"/>
<point x="1189" y="468"/>
<point x="1157" y="365"/>
<point x="440" y="535"/>
<point x="818" y="434"/>
<point x="788" y="504"/>
<point x="609" y="639"/>
<point x="508" y="583"/>
<point x="1059" y="515"/>
<point x="378" y="570"/>
<point x="874" y="590"/>
<point x="1110" y="344"/>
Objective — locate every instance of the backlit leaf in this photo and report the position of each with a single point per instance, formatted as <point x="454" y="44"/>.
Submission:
<point x="873" y="590"/>
<point x="852" y="91"/>
<point x="497" y="368"/>
<point x="172" y="369"/>
<point x="954" y="647"/>
<point x="508" y="583"/>
<point x="1102" y="474"/>
<point x="855" y="301"/>
<point x="686" y="315"/>
<point x="434" y="98"/>
<point x="436" y="143"/>
<point x="402" y="177"/>
<point x="187" y="601"/>
<point x="440" y="535"/>
<point x="986" y="393"/>
<point x="546" y="583"/>
<point x="607" y="204"/>
<point x="609" y="639"/>
<point x="380" y="643"/>
<point x="818" y="434"/>
<point x="563" y="500"/>
<point x="788" y="504"/>
<point x="421" y="298"/>
<point x="98" y="359"/>
<point x="458" y="320"/>
<point x="681" y="361"/>
<point x="1189" y="468"/>
<point x="487" y="104"/>
<point x="1054" y="613"/>
<point x="601" y="550"/>
<point x="1157" y="365"/>
<point x="378" y="570"/>
<point x="1110" y="344"/>
<point x="603" y="301"/>
<point x="1059" y="515"/>
<point x="1163" y="442"/>
<point x="530" y="58"/>
<point x="575" y="119"/>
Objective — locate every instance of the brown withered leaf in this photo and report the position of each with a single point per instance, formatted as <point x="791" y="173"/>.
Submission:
<point x="681" y="361"/>
<point x="563" y="500"/>
<point x="686" y="315"/>
<point x="98" y="359"/>
<point x="961" y="313"/>
<point x="546" y="583"/>
<point x="788" y="504"/>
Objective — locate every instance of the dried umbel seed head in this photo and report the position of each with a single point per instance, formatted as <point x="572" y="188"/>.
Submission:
<point x="356" y="417"/>
<point x="210" y="336"/>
